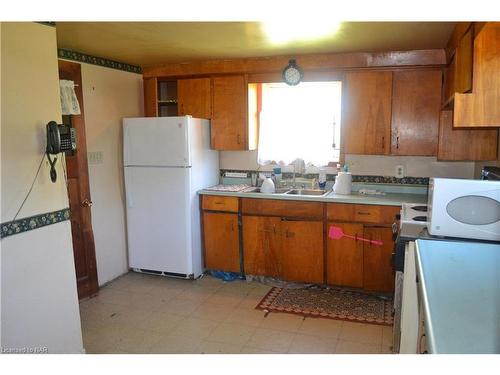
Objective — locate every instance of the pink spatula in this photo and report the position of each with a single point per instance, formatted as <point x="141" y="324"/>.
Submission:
<point x="336" y="233"/>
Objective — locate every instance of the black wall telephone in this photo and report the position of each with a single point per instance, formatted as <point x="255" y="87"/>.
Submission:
<point x="60" y="138"/>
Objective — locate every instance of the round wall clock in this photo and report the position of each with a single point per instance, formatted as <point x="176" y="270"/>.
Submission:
<point x="292" y="74"/>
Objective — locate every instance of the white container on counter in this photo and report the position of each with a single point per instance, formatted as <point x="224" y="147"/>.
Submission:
<point x="343" y="183"/>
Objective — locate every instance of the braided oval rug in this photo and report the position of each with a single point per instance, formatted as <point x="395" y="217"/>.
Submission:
<point x="333" y="303"/>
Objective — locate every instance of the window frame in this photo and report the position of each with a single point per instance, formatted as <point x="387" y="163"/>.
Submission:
<point x="257" y="79"/>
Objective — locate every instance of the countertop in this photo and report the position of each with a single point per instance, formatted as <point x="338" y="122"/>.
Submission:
<point x="459" y="284"/>
<point x="389" y="199"/>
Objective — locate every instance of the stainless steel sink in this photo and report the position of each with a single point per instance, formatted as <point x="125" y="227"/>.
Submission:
<point x="306" y="192"/>
<point x="278" y="191"/>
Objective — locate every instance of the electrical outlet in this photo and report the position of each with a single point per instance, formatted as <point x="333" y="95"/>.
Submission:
<point x="94" y="157"/>
<point x="400" y="171"/>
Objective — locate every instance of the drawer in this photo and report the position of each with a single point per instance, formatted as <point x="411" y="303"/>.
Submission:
<point x="273" y="207"/>
<point x="362" y="213"/>
<point x="220" y="203"/>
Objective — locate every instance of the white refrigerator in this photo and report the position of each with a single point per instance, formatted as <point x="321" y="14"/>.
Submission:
<point x="166" y="161"/>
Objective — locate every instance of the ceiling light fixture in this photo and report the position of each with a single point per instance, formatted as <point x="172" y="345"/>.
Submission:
<point x="285" y="31"/>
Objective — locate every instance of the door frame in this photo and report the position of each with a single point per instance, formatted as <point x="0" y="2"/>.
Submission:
<point x="77" y="166"/>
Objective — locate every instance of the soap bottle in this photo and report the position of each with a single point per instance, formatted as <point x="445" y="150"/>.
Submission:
<point x="322" y="178"/>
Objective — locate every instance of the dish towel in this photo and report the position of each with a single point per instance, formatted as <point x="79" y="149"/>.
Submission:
<point x="69" y="101"/>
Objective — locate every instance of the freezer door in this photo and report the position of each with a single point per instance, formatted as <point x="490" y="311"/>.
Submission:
<point x="156" y="141"/>
<point x="158" y="219"/>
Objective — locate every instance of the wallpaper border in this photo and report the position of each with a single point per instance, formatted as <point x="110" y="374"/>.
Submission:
<point x="33" y="222"/>
<point x="95" y="60"/>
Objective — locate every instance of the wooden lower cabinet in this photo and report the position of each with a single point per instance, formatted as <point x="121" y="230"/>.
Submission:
<point x="345" y="257"/>
<point x="221" y="239"/>
<point x="290" y="250"/>
<point x="302" y="251"/>
<point x="358" y="264"/>
<point x="378" y="274"/>
<point x="262" y="246"/>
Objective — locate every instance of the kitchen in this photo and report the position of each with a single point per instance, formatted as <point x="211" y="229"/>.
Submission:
<point x="254" y="211"/>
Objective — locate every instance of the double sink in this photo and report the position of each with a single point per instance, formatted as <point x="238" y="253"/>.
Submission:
<point x="288" y="191"/>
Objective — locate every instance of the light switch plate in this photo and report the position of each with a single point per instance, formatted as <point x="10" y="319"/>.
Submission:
<point x="94" y="157"/>
<point x="400" y="171"/>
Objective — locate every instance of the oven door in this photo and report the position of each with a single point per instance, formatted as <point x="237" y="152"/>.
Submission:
<point x="465" y="209"/>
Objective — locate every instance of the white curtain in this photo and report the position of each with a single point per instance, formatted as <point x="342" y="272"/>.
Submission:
<point x="69" y="101"/>
<point x="300" y="122"/>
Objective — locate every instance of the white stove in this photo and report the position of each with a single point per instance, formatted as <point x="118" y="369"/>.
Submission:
<point x="413" y="219"/>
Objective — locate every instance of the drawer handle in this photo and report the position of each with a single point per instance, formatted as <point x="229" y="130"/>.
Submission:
<point x="219" y="202"/>
<point x="364" y="213"/>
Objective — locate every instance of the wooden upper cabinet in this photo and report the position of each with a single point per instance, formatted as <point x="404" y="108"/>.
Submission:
<point x="221" y="241"/>
<point x="229" y="125"/>
<point x="367" y="112"/>
<point x="480" y="108"/>
<point x="458" y="74"/>
<point x="463" y="56"/>
<point x="150" y="97"/>
<point x="465" y="144"/>
<point x="302" y="258"/>
<point x="416" y="105"/>
<point x="194" y="97"/>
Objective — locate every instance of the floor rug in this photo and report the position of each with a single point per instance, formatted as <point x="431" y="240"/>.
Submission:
<point x="333" y="303"/>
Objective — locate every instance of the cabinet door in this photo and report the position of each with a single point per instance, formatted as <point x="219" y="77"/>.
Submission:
<point x="464" y="144"/>
<point x="416" y="105"/>
<point x="150" y="97"/>
<point x="345" y="257"/>
<point x="194" y="97"/>
<point x="302" y="251"/>
<point x="463" y="56"/>
<point x="221" y="239"/>
<point x="229" y="113"/>
<point x="378" y="274"/>
<point x="367" y="113"/>
<point x="262" y="246"/>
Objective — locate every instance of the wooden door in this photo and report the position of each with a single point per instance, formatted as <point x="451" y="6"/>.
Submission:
<point x="221" y="240"/>
<point x="194" y="97"/>
<point x="150" y="97"/>
<point x="416" y="104"/>
<point x="366" y="106"/>
<point x="262" y="246"/>
<point x="79" y="193"/>
<point x="229" y="125"/>
<point x="378" y="274"/>
<point x="345" y="257"/>
<point x="302" y="246"/>
<point x="465" y="144"/>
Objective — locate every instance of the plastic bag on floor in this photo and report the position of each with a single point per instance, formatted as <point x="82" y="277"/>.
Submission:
<point x="272" y="281"/>
<point x="226" y="276"/>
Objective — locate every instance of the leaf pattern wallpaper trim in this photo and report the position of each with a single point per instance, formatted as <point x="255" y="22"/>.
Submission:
<point x="33" y="222"/>
<point x="424" y="181"/>
<point x="95" y="60"/>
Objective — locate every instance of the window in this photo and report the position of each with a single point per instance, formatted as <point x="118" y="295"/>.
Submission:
<point x="300" y="122"/>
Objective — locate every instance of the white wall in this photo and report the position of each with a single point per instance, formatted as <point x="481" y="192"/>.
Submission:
<point x="415" y="166"/>
<point x="109" y="95"/>
<point x="39" y="303"/>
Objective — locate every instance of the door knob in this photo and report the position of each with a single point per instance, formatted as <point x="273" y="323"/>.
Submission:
<point x="87" y="203"/>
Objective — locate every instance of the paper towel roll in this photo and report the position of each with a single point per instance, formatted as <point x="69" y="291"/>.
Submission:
<point x="343" y="183"/>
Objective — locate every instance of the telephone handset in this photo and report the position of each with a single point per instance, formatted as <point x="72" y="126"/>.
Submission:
<point x="60" y="138"/>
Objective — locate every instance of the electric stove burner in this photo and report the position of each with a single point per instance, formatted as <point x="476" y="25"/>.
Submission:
<point x="420" y="208"/>
<point x="420" y="218"/>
